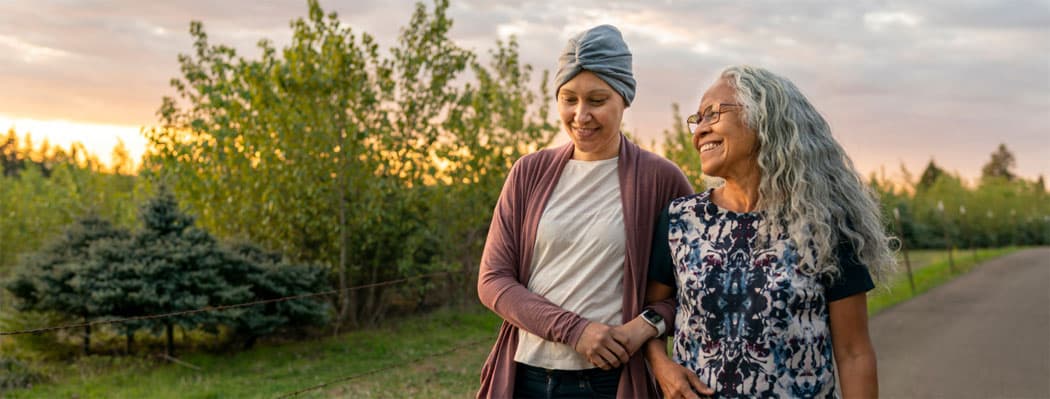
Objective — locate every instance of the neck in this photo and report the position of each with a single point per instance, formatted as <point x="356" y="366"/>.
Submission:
<point x="738" y="195"/>
<point x="609" y="151"/>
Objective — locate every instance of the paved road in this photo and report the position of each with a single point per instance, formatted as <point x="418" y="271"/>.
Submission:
<point x="984" y="335"/>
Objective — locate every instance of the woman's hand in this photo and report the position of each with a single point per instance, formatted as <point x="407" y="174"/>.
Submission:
<point x="604" y="346"/>
<point x="675" y="380"/>
<point x="638" y="332"/>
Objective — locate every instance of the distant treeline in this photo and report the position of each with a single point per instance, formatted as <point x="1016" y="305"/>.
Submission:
<point x="938" y="210"/>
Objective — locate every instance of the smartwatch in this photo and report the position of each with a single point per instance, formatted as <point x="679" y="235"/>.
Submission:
<point x="654" y="319"/>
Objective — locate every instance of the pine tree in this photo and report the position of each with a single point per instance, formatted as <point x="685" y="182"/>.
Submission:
<point x="274" y="277"/>
<point x="930" y="176"/>
<point x="1000" y="165"/>
<point x="181" y="268"/>
<point x="58" y="278"/>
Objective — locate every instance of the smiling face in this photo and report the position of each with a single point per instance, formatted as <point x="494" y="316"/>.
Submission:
<point x="728" y="148"/>
<point x="591" y="112"/>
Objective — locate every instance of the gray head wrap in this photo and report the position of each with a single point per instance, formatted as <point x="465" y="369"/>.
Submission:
<point x="602" y="51"/>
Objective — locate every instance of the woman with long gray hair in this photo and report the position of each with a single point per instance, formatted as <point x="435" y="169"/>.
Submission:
<point x="771" y="268"/>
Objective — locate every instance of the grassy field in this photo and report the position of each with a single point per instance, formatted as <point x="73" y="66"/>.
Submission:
<point x="930" y="268"/>
<point x="433" y="356"/>
<point x="436" y="356"/>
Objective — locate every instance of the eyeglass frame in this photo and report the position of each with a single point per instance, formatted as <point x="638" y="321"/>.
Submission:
<point x="699" y="115"/>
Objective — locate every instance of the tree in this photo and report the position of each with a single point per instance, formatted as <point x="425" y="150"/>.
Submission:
<point x="332" y="153"/>
<point x="495" y="123"/>
<point x="929" y="176"/>
<point x="57" y="278"/>
<point x="179" y="267"/>
<point x="46" y="188"/>
<point x="1000" y="165"/>
<point x="678" y="147"/>
<point x="96" y="270"/>
<point x="274" y="277"/>
<point x="121" y="161"/>
<point x="12" y="160"/>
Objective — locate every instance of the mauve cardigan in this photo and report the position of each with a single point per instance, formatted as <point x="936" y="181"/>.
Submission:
<point x="648" y="183"/>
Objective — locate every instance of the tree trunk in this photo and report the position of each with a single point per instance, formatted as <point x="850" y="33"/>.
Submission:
<point x="249" y="342"/>
<point x="344" y="228"/>
<point x="87" y="338"/>
<point x="468" y="291"/>
<point x="466" y="288"/>
<point x="369" y="309"/>
<point x="344" y="295"/>
<point x="129" y="340"/>
<point x="171" y="339"/>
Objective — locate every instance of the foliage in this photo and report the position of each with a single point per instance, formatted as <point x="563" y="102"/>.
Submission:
<point x="929" y="177"/>
<point x="95" y="271"/>
<point x="1000" y="165"/>
<point x="16" y="374"/>
<point x="375" y="166"/>
<point x="678" y="147"/>
<point x="948" y="212"/>
<point x="57" y="279"/>
<point x="43" y="188"/>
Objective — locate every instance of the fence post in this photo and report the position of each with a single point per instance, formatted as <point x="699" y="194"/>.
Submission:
<point x="947" y="240"/>
<point x="904" y="248"/>
<point x="970" y="238"/>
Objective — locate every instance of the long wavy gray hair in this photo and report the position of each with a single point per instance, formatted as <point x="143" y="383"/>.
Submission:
<point x="809" y="188"/>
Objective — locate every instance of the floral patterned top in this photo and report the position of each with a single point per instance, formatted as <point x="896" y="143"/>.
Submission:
<point x="749" y="322"/>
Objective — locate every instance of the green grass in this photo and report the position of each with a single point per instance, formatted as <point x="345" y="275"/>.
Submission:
<point x="437" y="355"/>
<point x="433" y="356"/>
<point x="930" y="268"/>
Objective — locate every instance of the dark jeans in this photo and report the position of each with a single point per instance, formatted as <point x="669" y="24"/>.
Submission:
<point x="540" y="383"/>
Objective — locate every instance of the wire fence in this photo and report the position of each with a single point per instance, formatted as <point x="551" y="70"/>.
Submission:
<point x="299" y="392"/>
<point x="221" y="307"/>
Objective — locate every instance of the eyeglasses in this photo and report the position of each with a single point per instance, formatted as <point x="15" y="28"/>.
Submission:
<point x="709" y="116"/>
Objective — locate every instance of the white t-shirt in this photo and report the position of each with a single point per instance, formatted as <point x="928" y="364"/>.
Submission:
<point x="578" y="259"/>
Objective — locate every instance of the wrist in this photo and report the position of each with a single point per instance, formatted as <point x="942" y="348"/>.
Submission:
<point x="655" y="320"/>
<point x="640" y="330"/>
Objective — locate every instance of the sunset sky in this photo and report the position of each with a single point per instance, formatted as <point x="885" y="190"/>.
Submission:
<point x="900" y="81"/>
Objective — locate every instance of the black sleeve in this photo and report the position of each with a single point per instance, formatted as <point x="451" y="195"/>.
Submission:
<point x="661" y="267"/>
<point x="854" y="278"/>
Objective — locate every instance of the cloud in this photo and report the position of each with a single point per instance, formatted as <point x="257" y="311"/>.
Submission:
<point x="895" y="76"/>
<point x="881" y="20"/>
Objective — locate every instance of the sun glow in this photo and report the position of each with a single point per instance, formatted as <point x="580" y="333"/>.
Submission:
<point x="99" y="139"/>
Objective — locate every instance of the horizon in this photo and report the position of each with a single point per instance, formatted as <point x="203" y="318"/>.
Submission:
<point x="136" y="144"/>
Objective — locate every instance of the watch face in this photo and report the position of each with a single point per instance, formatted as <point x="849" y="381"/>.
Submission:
<point x="652" y="316"/>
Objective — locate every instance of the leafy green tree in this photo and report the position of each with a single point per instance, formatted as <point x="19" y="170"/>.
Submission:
<point x="56" y="188"/>
<point x="330" y="152"/>
<point x="495" y="122"/>
<point x="678" y="147"/>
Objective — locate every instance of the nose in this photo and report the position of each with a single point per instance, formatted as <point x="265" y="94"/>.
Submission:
<point x="699" y="132"/>
<point x="583" y="114"/>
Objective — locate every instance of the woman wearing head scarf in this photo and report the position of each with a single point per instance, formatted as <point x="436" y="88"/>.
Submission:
<point x="770" y="269"/>
<point x="566" y="257"/>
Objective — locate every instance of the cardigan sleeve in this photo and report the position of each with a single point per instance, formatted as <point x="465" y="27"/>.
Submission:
<point x="679" y="186"/>
<point x="499" y="276"/>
